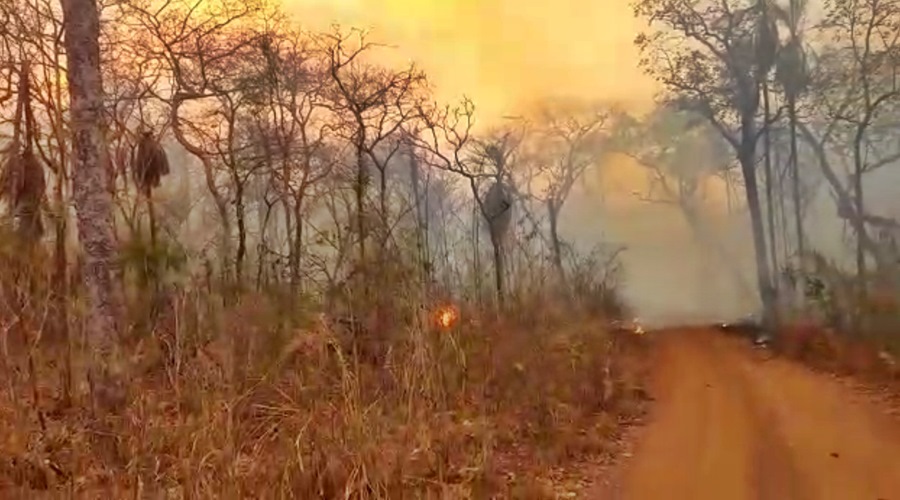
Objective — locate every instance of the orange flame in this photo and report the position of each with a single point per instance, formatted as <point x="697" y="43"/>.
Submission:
<point x="446" y="316"/>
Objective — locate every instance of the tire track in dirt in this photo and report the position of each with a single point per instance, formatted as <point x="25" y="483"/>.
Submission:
<point x="729" y="425"/>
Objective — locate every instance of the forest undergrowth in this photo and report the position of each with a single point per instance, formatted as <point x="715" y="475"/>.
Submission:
<point x="263" y="394"/>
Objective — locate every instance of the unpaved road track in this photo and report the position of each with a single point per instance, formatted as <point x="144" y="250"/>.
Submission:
<point x="730" y="425"/>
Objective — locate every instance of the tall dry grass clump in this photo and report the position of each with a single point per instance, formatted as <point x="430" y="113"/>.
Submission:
<point x="259" y="400"/>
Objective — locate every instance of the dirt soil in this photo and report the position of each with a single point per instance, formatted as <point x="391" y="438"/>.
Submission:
<point x="730" y="422"/>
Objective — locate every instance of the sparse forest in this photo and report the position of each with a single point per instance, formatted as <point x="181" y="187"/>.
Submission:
<point x="796" y="104"/>
<point x="243" y="258"/>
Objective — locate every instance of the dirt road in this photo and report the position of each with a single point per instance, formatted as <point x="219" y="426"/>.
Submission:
<point x="728" y="424"/>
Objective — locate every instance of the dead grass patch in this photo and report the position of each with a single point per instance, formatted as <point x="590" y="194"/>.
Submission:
<point x="241" y="403"/>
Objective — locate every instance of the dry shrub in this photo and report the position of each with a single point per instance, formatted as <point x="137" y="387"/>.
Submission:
<point x="811" y="343"/>
<point x="867" y="348"/>
<point x="263" y="408"/>
<point x="826" y="350"/>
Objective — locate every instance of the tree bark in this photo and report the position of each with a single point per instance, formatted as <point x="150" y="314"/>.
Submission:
<point x="240" y="216"/>
<point x="93" y="201"/>
<point x="499" y="264"/>
<point x="795" y="181"/>
<point x="553" y="212"/>
<point x="770" y="203"/>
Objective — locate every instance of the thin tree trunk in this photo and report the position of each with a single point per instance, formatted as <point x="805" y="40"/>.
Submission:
<point x="795" y="185"/>
<point x="747" y="157"/>
<point x="240" y="218"/>
<point x="499" y="281"/>
<point x="265" y="216"/>
<point x="859" y="223"/>
<point x="553" y="212"/>
<point x="421" y="222"/>
<point x="209" y="176"/>
<point x="770" y="204"/>
<point x="362" y="178"/>
<point x="93" y="201"/>
<point x="476" y="250"/>
<point x="296" y="247"/>
<point x="151" y="215"/>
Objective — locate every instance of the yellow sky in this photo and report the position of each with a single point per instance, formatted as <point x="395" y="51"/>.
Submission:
<point x="502" y="53"/>
<point x="505" y="54"/>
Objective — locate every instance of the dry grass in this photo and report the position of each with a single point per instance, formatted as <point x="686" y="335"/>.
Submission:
<point x="259" y="401"/>
<point x="822" y="348"/>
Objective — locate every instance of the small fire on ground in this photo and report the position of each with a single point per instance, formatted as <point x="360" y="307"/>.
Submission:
<point x="446" y="316"/>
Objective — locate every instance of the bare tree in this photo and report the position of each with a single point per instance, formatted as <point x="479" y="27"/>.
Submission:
<point x="792" y="73"/>
<point x="565" y="140"/>
<point x="869" y="33"/>
<point x="447" y="143"/>
<point x="196" y="52"/>
<point x="375" y="103"/>
<point x="297" y="119"/>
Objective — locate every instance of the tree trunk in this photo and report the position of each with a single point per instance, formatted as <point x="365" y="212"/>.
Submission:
<point x="384" y="215"/>
<point x="859" y="225"/>
<point x="770" y="204"/>
<point x="770" y="185"/>
<point x="210" y="177"/>
<point x="553" y="213"/>
<point x="795" y="184"/>
<point x="476" y="251"/>
<point x="421" y="223"/>
<point x="264" y="217"/>
<point x="151" y="216"/>
<point x="93" y="201"/>
<point x="362" y="180"/>
<point x="240" y="218"/>
<point x="747" y="157"/>
<point x="296" y="247"/>
<point x="499" y="281"/>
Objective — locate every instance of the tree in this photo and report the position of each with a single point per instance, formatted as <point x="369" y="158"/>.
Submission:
<point x="201" y="57"/>
<point x="869" y="57"/>
<point x="766" y="45"/>
<point x="792" y="73"/>
<point x="93" y="201"/>
<point x="681" y="154"/>
<point x="566" y="139"/>
<point x="375" y="104"/>
<point x="295" y="116"/>
<point x="704" y="54"/>
<point x="447" y="142"/>
<point x="493" y="156"/>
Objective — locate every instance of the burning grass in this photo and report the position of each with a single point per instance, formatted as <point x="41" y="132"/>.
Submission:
<point x="245" y="402"/>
